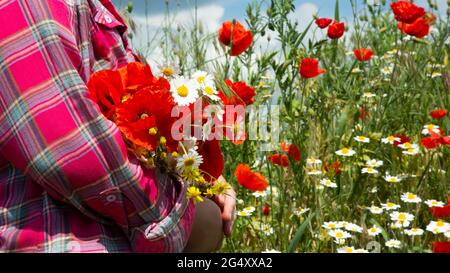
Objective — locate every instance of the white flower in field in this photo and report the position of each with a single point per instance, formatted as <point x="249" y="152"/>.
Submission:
<point x="343" y="223"/>
<point x="313" y="161"/>
<point x="401" y="218"/>
<point x="392" y="179"/>
<point x="369" y="170"/>
<point x="414" y="232"/>
<point x="346" y="152"/>
<point x="437" y="227"/>
<point x="373" y="163"/>
<point x="427" y="129"/>
<point x="332" y="225"/>
<point x="362" y="139"/>
<point x="259" y="194"/>
<point x="271" y="251"/>
<point x="319" y="187"/>
<point x="339" y="234"/>
<point x="356" y="70"/>
<point x="409" y="197"/>
<point x="393" y="243"/>
<point x="374" y="231"/>
<point x="375" y="210"/>
<point x="436" y="75"/>
<point x="368" y="95"/>
<point x="434" y="203"/>
<point x="267" y="229"/>
<point x="361" y="251"/>
<point x="374" y="190"/>
<point x="240" y="201"/>
<point x="387" y="70"/>
<point x="408" y="145"/>
<point x="328" y="183"/>
<point x="189" y="161"/>
<point x="390" y="206"/>
<point x="244" y="213"/>
<point x="354" y="228"/>
<point x="346" y="249"/>
<point x="390" y="139"/>
<point x="249" y="209"/>
<point x="184" y="91"/>
<point x="314" y="172"/>
<point x="411" y="151"/>
<point x="300" y="211"/>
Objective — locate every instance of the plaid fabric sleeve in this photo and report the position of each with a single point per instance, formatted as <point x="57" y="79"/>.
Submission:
<point x="52" y="132"/>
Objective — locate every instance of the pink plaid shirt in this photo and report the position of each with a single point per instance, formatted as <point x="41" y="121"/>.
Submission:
<point x="66" y="182"/>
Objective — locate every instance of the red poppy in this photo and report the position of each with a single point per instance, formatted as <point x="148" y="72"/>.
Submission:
<point x="145" y="110"/>
<point x="439" y="113"/>
<point x="309" y="68"/>
<point x="407" y="12"/>
<point x="419" y="28"/>
<point x="266" y="209"/>
<point x="243" y="94"/>
<point x="137" y="75"/>
<point x="213" y="162"/>
<point x="336" y="167"/>
<point x="253" y="181"/>
<point x="323" y="22"/>
<point x="336" y="30"/>
<point x="294" y="152"/>
<point x="403" y="139"/>
<point x="445" y="140"/>
<point x="431" y="142"/>
<point x="106" y="89"/>
<point x="441" y="247"/>
<point x="279" y="160"/>
<point x="362" y="113"/>
<point x="235" y="35"/>
<point x="363" y="54"/>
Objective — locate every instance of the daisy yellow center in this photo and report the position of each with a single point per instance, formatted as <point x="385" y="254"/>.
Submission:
<point x="440" y="223"/>
<point x="201" y="79"/>
<point x="188" y="162"/>
<point x="332" y="225"/>
<point x="392" y="179"/>
<point x="414" y="230"/>
<point x="339" y="235"/>
<point x="345" y="151"/>
<point x="390" y="205"/>
<point x="401" y="217"/>
<point x="430" y="127"/>
<point x="411" y="150"/>
<point x="411" y="196"/>
<point x="209" y="90"/>
<point x="183" y="91"/>
<point x="168" y="71"/>
<point x="373" y="230"/>
<point x="349" y="250"/>
<point x="361" y="138"/>
<point x="407" y="145"/>
<point x="391" y="138"/>
<point x="370" y="169"/>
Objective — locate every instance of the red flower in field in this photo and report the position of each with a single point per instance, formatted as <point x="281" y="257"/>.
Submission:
<point x="441" y="247"/>
<point x="243" y="94"/>
<point x="441" y="212"/>
<point x="403" y="139"/>
<point x="406" y="12"/>
<point x="362" y="113"/>
<point x="419" y="29"/>
<point x="323" y="22"/>
<point x="309" y="68"/>
<point x="147" y="109"/>
<point x="106" y="89"/>
<point x="266" y="209"/>
<point x="137" y="75"/>
<point x="439" y="113"/>
<point x="235" y="35"/>
<point x="431" y="142"/>
<point x="253" y="181"/>
<point x="294" y="152"/>
<point x="337" y="167"/>
<point x="336" y="30"/>
<point x="363" y="54"/>
<point x="279" y="160"/>
<point x="445" y="140"/>
<point x="213" y="162"/>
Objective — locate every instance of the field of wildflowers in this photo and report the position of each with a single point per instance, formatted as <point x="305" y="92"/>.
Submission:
<point x="362" y="159"/>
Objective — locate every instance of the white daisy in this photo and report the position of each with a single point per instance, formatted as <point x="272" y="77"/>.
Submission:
<point x="267" y="229"/>
<point x="354" y="228"/>
<point x="203" y="78"/>
<point x="437" y="227"/>
<point x="374" y="231"/>
<point x="436" y="75"/>
<point x="328" y="183"/>
<point x="390" y="140"/>
<point x="368" y="95"/>
<point x="411" y="151"/>
<point x="402" y="219"/>
<point x="314" y="172"/>
<point x="346" y="152"/>
<point x="375" y="210"/>
<point x="184" y="91"/>
<point x="259" y="194"/>
<point x="189" y="161"/>
<point x="434" y="203"/>
<point x="346" y="249"/>
<point x="362" y="139"/>
<point x="390" y="206"/>
<point x="427" y="129"/>
<point x="332" y="225"/>
<point x="339" y="234"/>
<point x="393" y="243"/>
<point x="392" y="179"/>
<point x="408" y="145"/>
<point x="313" y="161"/>
<point x="244" y="213"/>
<point x="249" y="209"/>
<point x="414" y="232"/>
<point x="369" y="170"/>
<point x="373" y="163"/>
<point x="409" y="197"/>
<point x="300" y="211"/>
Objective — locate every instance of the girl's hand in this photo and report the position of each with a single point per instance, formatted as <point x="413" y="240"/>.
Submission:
<point x="227" y="204"/>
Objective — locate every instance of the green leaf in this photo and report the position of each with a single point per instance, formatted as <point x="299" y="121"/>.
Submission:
<point x="336" y="11"/>
<point x="299" y="234"/>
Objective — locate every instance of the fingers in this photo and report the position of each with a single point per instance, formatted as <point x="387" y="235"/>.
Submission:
<point x="228" y="213"/>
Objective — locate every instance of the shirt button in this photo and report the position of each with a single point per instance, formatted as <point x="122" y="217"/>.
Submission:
<point x="111" y="198"/>
<point x="108" y="19"/>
